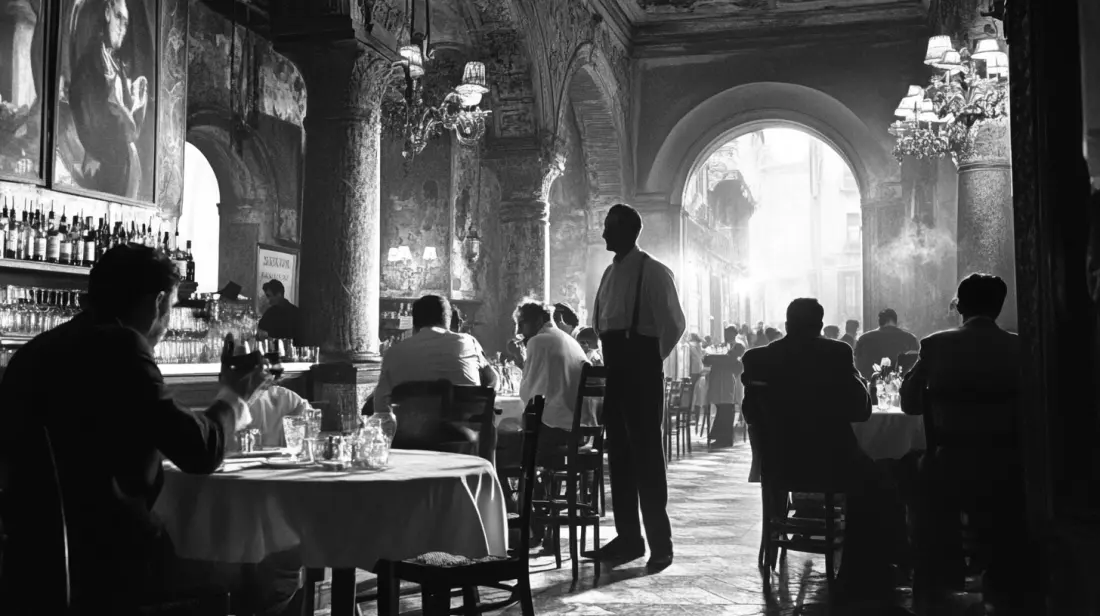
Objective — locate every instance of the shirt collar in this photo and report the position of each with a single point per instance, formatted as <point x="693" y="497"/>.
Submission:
<point x="979" y="320"/>
<point x="434" y="329"/>
<point x="633" y="251"/>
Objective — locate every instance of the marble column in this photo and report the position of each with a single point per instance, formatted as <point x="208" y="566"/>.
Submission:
<point x="341" y="224"/>
<point x="985" y="231"/>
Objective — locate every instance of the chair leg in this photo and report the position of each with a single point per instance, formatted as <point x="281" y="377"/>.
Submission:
<point x="435" y="601"/>
<point x="557" y="544"/>
<point x="596" y="539"/>
<point x="470" y="600"/>
<point x="389" y="589"/>
<point x="603" y="497"/>
<point x="526" y="601"/>
<point x="573" y="555"/>
<point x="687" y="437"/>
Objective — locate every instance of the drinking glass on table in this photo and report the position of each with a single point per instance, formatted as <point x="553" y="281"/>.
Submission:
<point x="294" y="428"/>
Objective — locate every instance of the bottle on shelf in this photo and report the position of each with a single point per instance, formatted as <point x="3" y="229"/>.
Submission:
<point x="26" y="236"/>
<point x="53" y="239"/>
<point x="103" y="239"/>
<point x="179" y="257"/>
<point x="4" y="224"/>
<point x="64" y="242"/>
<point x="11" y="239"/>
<point x="89" y="242"/>
<point x="190" y="263"/>
<point x="40" y="243"/>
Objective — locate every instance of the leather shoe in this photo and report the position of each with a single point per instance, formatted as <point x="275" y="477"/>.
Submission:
<point x="618" y="549"/>
<point x="659" y="562"/>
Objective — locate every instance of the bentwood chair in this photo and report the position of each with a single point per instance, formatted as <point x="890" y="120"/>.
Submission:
<point x="682" y="417"/>
<point x="439" y="416"/>
<point x="574" y="478"/>
<point x="438" y="572"/>
<point x="38" y="570"/>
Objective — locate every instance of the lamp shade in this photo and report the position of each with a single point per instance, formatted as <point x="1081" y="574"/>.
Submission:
<point x="988" y="48"/>
<point x="937" y="47"/>
<point x="393" y="255"/>
<point x="429" y="253"/>
<point x="474" y="84"/>
<point x="950" y="62"/>
<point x="404" y="254"/>
<point x="414" y="59"/>
<point x="915" y="91"/>
<point x="996" y="65"/>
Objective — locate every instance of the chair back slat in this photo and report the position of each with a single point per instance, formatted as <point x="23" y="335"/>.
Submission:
<point x="983" y="415"/>
<point x="687" y="394"/>
<point x="532" y="423"/>
<point x="475" y="406"/>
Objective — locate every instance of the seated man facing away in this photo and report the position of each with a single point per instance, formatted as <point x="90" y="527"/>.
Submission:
<point x="111" y="422"/>
<point x="802" y="393"/>
<point x="967" y="378"/>
<point x="268" y="409"/>
<point x="434" y="353"/>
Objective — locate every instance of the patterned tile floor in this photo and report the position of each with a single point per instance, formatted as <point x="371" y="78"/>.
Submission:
<point x="715" y="516"/>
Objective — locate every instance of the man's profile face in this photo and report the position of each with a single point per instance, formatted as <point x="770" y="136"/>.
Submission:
<point x="273" y="299"/>
<point x="118" y="21"/>
<point x="528" y="327"/>
<point x="159" y="328"/>
<point x="615" y="234"/>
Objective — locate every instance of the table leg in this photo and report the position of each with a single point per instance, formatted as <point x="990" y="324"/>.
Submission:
<point x="343" y="592"/>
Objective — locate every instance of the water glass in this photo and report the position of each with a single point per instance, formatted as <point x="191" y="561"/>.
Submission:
<point x="294" y="428"/>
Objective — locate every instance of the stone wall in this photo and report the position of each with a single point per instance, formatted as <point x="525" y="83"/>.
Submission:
<point x="569" y="225"/>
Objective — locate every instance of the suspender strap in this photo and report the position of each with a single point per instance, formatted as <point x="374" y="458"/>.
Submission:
<point x="637" y="298"/>
<point x="596" y="306"/>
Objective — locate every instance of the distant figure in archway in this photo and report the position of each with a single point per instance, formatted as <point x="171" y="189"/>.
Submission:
<point x="851" y="332"/>
<point x="888" y="341"/>
<point x="638" y="317"/>
<point x="832" y="332"/>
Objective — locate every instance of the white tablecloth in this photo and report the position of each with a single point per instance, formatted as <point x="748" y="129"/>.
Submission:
<point x="425" y="501"/>
<point x="890" y="434"/>
<point x="511" y="412"/>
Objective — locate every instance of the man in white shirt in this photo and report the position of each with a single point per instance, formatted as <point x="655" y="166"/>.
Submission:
<point x="553" y="371"/>
<point x="268" y="409"/>
<point x="638" y="317"/>
<point x="432" y="353"/>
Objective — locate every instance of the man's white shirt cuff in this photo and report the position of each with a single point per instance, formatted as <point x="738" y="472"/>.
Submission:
<point x="242" y="418"/>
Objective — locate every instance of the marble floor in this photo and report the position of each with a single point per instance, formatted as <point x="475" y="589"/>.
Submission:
<point x="715" y="516"/>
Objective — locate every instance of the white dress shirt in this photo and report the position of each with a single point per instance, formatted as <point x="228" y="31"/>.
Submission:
<point x="431" y="354"/>
<point x="660" y="315"/>
<point x="553" y="371"/>
<point x="268" y="409"/>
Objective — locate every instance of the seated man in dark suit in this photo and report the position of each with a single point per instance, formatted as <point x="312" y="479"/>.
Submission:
<point x="802" y="393"/>
<point x="111" y="422"/>
<point x="967" y="379"/>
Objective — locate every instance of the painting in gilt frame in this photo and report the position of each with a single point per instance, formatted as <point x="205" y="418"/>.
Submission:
<point x="23" y="31"/>
<point x="106" y="114"/>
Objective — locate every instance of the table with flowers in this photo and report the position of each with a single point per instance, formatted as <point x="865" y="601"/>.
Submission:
<point x="344" y="520"/>
<point x="889" y="434"/>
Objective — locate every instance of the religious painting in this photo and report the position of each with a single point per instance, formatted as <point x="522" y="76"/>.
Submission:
<point x="22" y="40"/>
<point x="107" y="99"/>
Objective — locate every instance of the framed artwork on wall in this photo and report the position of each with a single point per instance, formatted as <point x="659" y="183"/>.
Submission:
<point x="23" y="31"/>
<point x="105" y="140"/>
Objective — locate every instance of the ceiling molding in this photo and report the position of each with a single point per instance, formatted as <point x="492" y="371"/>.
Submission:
<point x="716" y="34"/>
<point x="621" y="16"/>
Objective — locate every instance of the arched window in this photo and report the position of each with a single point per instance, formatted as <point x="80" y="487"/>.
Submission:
<point x="199" y="220"/>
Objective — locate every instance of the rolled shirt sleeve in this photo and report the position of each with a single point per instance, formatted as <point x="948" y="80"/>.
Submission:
<point x="667" y="312"/>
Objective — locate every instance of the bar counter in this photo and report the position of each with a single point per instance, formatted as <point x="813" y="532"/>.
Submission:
<point x="196" y="385"/>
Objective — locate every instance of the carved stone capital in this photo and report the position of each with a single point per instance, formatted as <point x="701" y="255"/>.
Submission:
<point x="244" y="212"/>
<point x="525" y="211"/>
<point x="526" y="177"/>
<point x="345" y="80"/>
<point x="990" y="143"/>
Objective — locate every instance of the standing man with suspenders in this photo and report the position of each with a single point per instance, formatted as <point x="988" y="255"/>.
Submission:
<point x="638" y="317"/>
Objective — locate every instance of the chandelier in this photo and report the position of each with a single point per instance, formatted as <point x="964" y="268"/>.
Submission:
<point x="458" y="111"/>
<point x="970" y="86"/>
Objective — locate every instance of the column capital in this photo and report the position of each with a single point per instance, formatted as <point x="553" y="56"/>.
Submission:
<point x="525" y="175"/>
<point x="989" y="144"/>
<point x="345" y="79"/>
<point x="244" y="211"/>
<point x="531" y="210"/>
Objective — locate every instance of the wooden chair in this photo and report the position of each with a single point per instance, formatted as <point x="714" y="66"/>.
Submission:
<point x="574" y="481"/>
<point x="682" y="417"/>
<point x="436" y="416"/>
<point x="42" y="552"/>
<point x="672" y="401"/>
<point x="437" y="573"/>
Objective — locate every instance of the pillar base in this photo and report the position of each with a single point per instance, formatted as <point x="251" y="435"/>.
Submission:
<point x="343" y="387"/>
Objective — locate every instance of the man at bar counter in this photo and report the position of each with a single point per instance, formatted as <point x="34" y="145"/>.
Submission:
<point x="282" y="319"/>
<point x="95" y="388"/>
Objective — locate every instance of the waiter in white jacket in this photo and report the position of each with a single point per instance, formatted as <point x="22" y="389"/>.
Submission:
<point x="638" y="317"/>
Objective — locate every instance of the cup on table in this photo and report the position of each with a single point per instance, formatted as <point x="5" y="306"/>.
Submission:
<point x="294" y="429"/>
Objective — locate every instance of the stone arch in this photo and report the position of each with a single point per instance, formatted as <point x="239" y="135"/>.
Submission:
<point x="721" y="116"/>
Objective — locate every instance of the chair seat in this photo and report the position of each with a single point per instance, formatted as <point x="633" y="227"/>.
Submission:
<point x="444" y="559"/>
<point x="453" y="571"/>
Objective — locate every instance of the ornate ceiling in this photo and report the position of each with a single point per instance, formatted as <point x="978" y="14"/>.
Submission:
<point x="710" y="7"/>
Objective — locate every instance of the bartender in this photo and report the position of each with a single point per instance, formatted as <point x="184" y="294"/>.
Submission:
<point x="282" y="319"/>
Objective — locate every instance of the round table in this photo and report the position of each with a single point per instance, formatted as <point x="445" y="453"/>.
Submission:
<point x="889" y="434"/>
<point x="423" y="502"/>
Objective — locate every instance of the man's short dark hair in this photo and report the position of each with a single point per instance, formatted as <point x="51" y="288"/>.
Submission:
<point x="566" y="314"/>
<point x="533" y="310"/>
<point x="805" y="317"/>
<point x="587" y="334"/>
<point x="629" y="217"/>
<point x="126" y="274"/>
<point x="456" y="319"/>
<point x="851" y="325"/>
<point x="981" y="295"/>
<point x="275" y="287"/>
<point x="730" y="333"/>
<point x="887" y="316"/>
<point x="831" y="331"/>
<point x="431" y="311"/>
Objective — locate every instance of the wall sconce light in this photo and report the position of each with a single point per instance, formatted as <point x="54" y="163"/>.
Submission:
<point x="429" y="254"/>
<point x="473" y="246"/>
<point x="394" y="255"/>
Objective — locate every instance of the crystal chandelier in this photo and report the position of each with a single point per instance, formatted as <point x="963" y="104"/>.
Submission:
<point x="970" y="86"/>
<point x="458" y="111"/>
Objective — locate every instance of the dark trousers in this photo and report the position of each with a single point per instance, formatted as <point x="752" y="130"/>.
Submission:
<point x="633" y="411"/>
<point x="721" y="430"/>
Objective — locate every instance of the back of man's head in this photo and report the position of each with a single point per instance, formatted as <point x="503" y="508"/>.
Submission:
<point x="127" y="275"/>
<point x="275" y="287"/>
<point x="587" y="334"/>
<point x="805" y="316"/>
<point x="534" y="312"/>
<point x="851" y="326"/>
<point x="981" y="295"/>
<point x="431" y="311"/>
<point x="565" y="314"/>
<point x="832" y="332"/>
<point x="887" y="317"/>
<point x="629" y="218"/>
<point x="730" y="333"/>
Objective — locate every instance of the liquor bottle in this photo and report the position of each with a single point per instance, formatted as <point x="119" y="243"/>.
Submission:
<point x="179" y="257"/>
<point x="64" y="242"/>
<point x="14" y="235"/>
<point x="5" y="224"/>
<point x="77" y="232"/>
<point x="40" y="242"/>
<point x="53" y="239"/>
<point x="103" y="239"/>
<point x="90" y="242"/>
<point x="166" y="244"/>
<point x="25" y="246"/>
<point x="190" y="263"/>
<point x="132" y="237"/>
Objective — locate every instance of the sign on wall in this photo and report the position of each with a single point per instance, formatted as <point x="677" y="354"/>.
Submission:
<point x="276" y="263"/>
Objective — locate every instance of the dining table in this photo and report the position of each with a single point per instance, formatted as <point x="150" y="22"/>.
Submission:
<point x="342" y="520"/>
<point x="890" y="434"/>
<point x="511" y="412"/>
